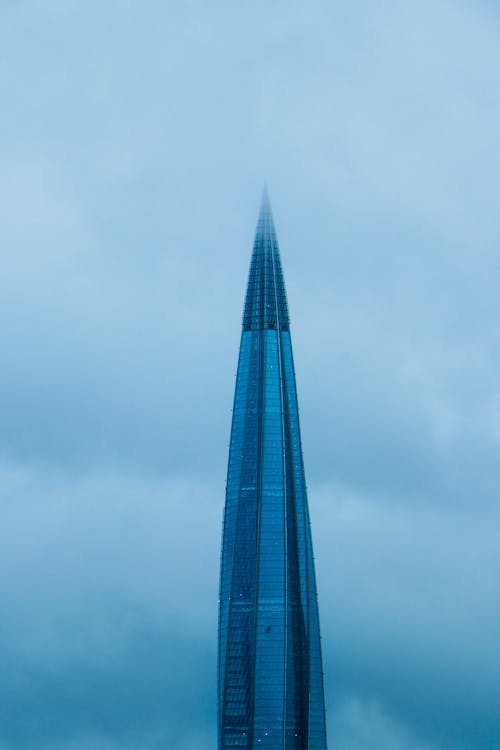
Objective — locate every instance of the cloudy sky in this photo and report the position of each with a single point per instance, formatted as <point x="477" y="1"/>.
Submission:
<point x="135" y="139"/>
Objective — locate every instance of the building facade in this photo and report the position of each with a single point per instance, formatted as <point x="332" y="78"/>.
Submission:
<point x="270" y="679"/>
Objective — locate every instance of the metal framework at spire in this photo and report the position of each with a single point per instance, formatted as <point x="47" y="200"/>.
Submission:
<point x="265" y="303"/>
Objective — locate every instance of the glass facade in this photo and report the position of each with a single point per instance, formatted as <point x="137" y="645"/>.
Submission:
<point x="270" y="679"/>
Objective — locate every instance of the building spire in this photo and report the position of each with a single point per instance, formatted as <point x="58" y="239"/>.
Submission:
<point x="265" y="303"/>
<point x="265" y="203"/>
<point x="270" y="678"/>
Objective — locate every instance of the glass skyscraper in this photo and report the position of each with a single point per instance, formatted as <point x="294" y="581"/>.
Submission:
<point x="270" y="679"/>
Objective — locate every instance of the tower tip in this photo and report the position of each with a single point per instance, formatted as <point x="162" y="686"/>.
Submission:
<point x="265" y="203"/>
<point x="265" y="302"/>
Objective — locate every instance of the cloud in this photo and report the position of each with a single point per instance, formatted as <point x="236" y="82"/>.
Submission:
<point x="359" y="725"/>
<point x="409" y="611"/>
<point x="109" y="592"/>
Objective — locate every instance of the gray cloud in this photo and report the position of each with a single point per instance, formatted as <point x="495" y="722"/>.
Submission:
<point x="411" y="610"/>
<point x="107" y="612"/>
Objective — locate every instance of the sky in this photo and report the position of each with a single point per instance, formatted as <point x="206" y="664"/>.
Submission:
<point x="135" y="141"/>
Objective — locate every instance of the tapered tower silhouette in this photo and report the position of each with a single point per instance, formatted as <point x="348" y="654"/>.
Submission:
<point x="270" y="679"/>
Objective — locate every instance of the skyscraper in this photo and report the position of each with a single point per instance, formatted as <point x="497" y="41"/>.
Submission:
<point x="270" y="680"/>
